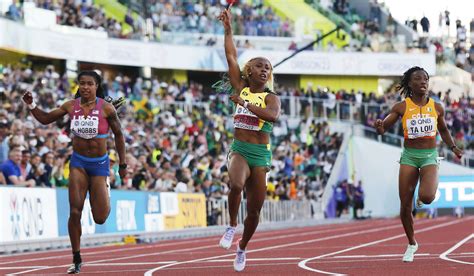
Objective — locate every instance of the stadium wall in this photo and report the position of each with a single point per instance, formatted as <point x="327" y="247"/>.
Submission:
<point x="41" y="213"/>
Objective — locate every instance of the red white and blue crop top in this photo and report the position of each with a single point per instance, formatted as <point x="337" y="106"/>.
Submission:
<point x="94" y="125"/>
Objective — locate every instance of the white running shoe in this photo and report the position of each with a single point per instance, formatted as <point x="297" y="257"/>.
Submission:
<point x="410" y="253"/>
<point x="419" y="203"/>
<point x="227" y="238"/>
<point x="239" y="262"/>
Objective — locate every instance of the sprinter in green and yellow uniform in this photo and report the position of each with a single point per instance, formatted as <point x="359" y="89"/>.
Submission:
<point x="422" y="120"/>
<point x="257" y="107"/>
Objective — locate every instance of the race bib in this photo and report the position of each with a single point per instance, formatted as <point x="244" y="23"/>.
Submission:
<point x="85" y="127"/>
<point x="421" y="127"/>
<point x="245" y="119"/>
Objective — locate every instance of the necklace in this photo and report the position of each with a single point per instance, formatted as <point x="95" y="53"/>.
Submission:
<point x="88" y="103"/>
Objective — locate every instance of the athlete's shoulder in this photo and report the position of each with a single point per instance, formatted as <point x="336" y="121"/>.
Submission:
<point x="438" y="106"/>
<point x="108" y="107"/>
<point x="68" y="105"/>
<point x="399" y="107"/>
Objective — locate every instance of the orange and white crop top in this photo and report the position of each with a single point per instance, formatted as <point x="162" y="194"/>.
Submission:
<point x="420" y="121"/>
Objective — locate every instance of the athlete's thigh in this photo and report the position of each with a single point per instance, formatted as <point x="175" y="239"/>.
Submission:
<point x="429" y="180"/>
<point x="239" y="169"/>
<point x="78" y="186"/>
<point x="99" y="195"/>
<point x="407" y="180"/>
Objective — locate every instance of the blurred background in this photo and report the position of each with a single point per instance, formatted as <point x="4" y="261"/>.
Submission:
<point x="164" y="55"/>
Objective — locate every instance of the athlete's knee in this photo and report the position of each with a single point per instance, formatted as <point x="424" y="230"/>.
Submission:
<point x="75" y="213"/>
<point x="236" y="187"/>
<point x="426" y="199"/>
<point x="253" y="214"/>
<point x="100" y="219"/>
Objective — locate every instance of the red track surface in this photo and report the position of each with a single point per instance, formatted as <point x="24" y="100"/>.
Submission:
<point x="370" y="247"/>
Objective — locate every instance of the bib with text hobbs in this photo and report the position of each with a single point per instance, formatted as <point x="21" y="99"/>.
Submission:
<point x="419" y="121"/>
<point x="90" y="126"/>
<point x="246" y="119"/>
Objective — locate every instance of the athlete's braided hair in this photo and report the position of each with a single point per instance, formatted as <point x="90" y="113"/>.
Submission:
<point x="403" y="85"/>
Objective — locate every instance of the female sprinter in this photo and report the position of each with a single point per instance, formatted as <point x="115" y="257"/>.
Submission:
<point x="257" y="107"/>
<point x="421" y="118"/>
<point x="91" y="116"/>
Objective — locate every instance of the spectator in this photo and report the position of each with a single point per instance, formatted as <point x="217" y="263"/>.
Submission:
<point x="4" y="147"/>
<point x="425" y="24"/>
<point x="14" y="11"/>
<point x="11" y="169"/>
<point x="358" y="201"/>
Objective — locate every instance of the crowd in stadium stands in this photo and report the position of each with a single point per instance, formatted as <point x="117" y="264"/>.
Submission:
<point x="464" y="57"/>
<point x="172" y="149"/>
<point x="81" y="14"/>
<point x="173" y="16"/>
<point x="182" y="147"/>
<point x="201" y="17"/>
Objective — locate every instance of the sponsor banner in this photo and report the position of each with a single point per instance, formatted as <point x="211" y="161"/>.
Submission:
<point x="169" y="204"/>
<point x="454" y="191"/>
<point x="344" y="64"/>
<point x="192" y="212"/>
<point x="70" y="46"/>
<point x="128" y="212"/>
<point x="27" y="214"/>
<point x="154" y="223"/>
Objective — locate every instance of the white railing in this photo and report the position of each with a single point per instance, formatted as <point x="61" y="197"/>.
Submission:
<point x="272" y="211"/>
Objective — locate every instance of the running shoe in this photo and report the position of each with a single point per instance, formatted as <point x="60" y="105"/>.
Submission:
<point x="410" y="253"/>
<point x="419" y="203"/>
<point x="239" y="262"/>
<point x="74" y="268"/>
<point x="227" y="238"/>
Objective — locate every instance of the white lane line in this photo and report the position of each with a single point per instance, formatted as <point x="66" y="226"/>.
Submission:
<point x="256" y="260"/>
<point x="444" y="255"/>
<point x="22" y="267"/>
<point x="291" y="234"/>
<point x="336" y="236"/>
<point x="376" y="256"/>
<point x="303" y="265"/>
<point x="126" y="264"/>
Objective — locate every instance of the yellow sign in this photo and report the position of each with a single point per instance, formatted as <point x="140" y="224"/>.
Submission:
<point x="192" y="212"/>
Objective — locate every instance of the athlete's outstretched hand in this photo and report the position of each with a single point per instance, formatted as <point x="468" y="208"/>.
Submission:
<point x="379" y="126"/>
<point x="458" y="152"/>
<point x="225" y="17"/>
<point x="27" y="97"/>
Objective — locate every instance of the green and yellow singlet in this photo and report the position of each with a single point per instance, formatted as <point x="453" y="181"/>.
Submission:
<point x="245" y="119"/>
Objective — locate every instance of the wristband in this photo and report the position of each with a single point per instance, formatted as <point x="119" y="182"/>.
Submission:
<point x="246" y="104"/>
<point x="122" y="166"/>
<point x="32" y="106"/>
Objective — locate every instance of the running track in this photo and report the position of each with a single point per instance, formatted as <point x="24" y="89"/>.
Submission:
<point x="370" y="247"/>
